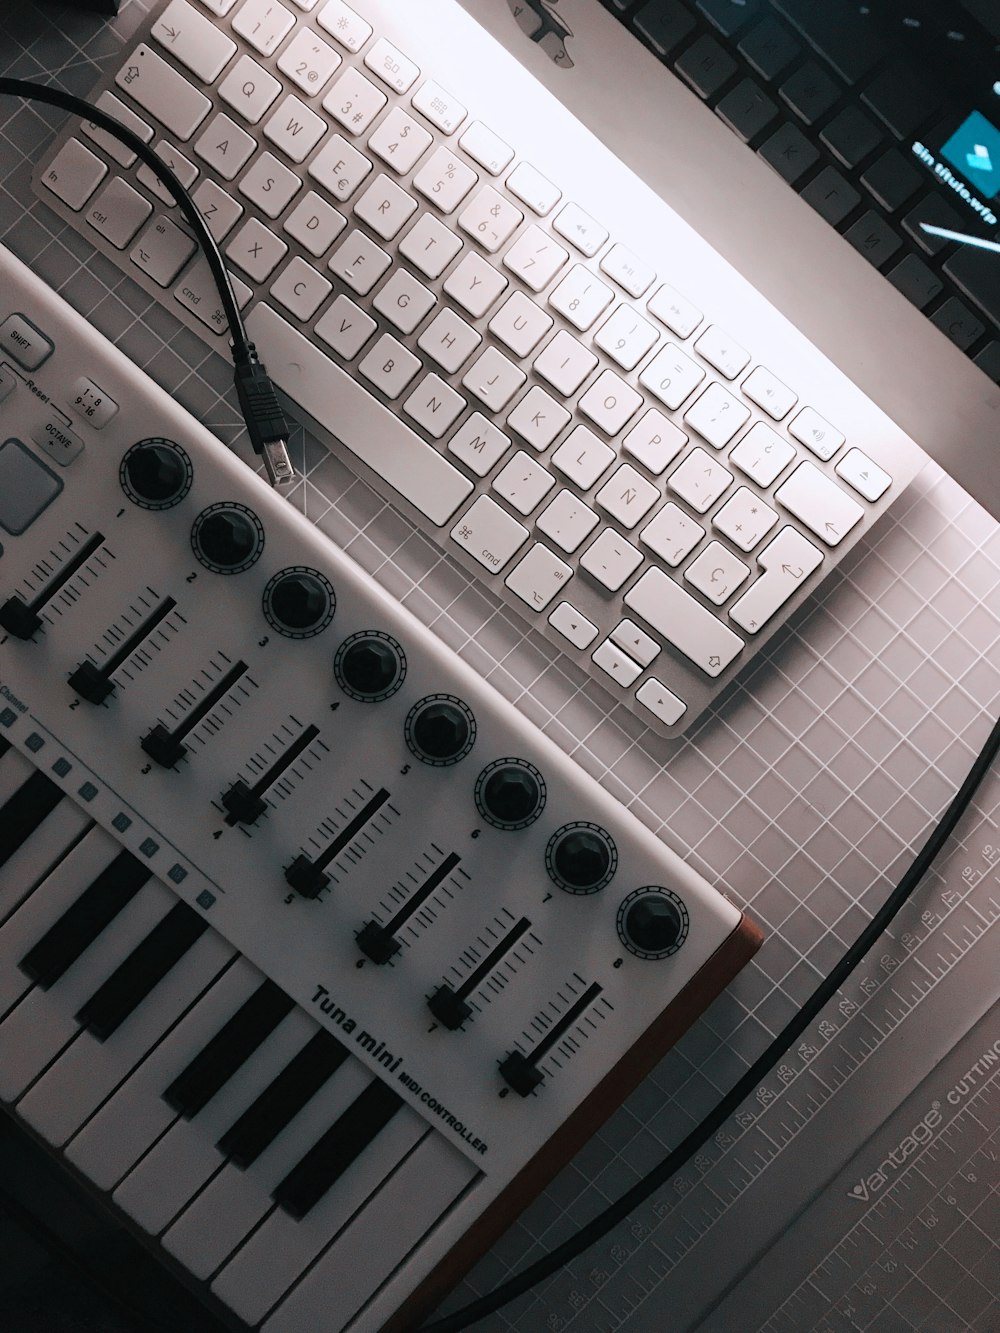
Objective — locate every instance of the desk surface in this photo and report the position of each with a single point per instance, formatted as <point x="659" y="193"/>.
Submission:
<point x="803" y="794"/>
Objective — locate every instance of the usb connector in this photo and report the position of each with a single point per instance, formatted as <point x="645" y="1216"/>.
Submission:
<point x="266" y="422"/>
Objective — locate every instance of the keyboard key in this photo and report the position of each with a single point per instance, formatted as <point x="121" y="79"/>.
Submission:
<point x="350" y="30"/>
<point x="314" y="224"/>
<point x="345" y="327"/>
<point x="789" y="152"/>
<point x="309" y="62"/>
<point x="939" y="213"/>
<point x="493" y="379"/>
<point x="610" y="402"/>
<point x="957" y="322"/>
<point x="528" y="184"/>
<point x="300" y="289"/>
<point x="62" y="944"/>
<point x="627" y="496"/>
<point x="568" y="521"/>
<point x="162" y="251"/>
<point x="538" y="577"/>
<point x="123" y="155"/>
<point x="630" y="272"/>
<point x="728" y="16"/>
<point x="706" y="66"/>
<point x="220" y="210"/>
<point x="716" y="573"/>
<point x="475" y="285"/>
<point x="866" y="477"/>
<point x="664" y="24"/>
<point x="249" y="88"/>
<point x="165" y="94"/>
<point x="823" y="506"/>
<point x="520" y="324"/>
<point x="23" y="812"/>
<point x="839" y="32"/>
<point x="674" y="310"/>
<point x="230" y="1047"/>
<point x="810" y="92"/>
<point x="537" y="418"/>
<point x="135" y="978"/>
<point x="489" y="534"/>
<point x="722" y="352"/>
<point x="523" y="483"/>
<point x="486" y="148"/>
<point x="583" y="457"/>
<point x="193" y="40"/>
<point x="671" y="375"/>
<point x="786" y="562"/>
<point x="611" y="559"/>
<point x="295" y="129"/>
<point x="581" y="297"/>
<point x="118" y="212"/>
<point x="256" y="250"/>
<point x="449" y="340"/>
<point x="404" y="301"/>
<point x="430" y="246"/>
<point x="851" y="137"/>
<point x="891" y="180"/>
<point x="699" y="480"/>
<point x="372" y="432"/>
<point x="572" y="625"/>
<point x="636" y="642"/>
<point x="974" y="272"/>
<point x="626" y="337"/>
<point x="745" y="519"/>
<point x="915" y="280"/>
<point x="185" y="171"/>
<point x="580" y="229"/>
<point x="655" y="441"/>
<point x="479" y="444"/>
<point x="747" y="110"/>
<point x="684" y="622"/>
<point x="769" y="48"/>
<point x="198" y="293"/>
<point x="565" y="363"/>
<point x="264" y="23"/>
<point x="354" y="100"/>
<point x="901" y="98"/>
<point x="389" y="64"/>
<point x="339" y="168"/>
<point x="809" y="428"/>
<point x="224" y="146"/>
<point x="444" y="179"/>
<point x="660" y="701"/>
<point x="400" y="141"/>
<point x="616" y="663"/>
<point x="438" y="106"/>
<point x="385" y="207"/>
<point x="389" y="366"/>
<point x="434" y="405"/>
<point x="74" y="174"/>
<point x="359" y="262"/>
<point x="767" y="391"/>
<point x="535" y="258"/>
<point x="831" y="196"/>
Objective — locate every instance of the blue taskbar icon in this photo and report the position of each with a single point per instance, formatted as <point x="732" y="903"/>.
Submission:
<point x="974" y="149"/>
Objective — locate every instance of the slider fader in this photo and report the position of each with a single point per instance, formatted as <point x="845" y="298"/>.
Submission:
<point x="317" y="959"/>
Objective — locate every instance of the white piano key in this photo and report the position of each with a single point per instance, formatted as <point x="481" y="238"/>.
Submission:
<point x="283" y="1247"/>
<point x="36" y="857"/>
<point x="56" y="892"/>
<point x="14" y="769"/>
<point x="378" y="1239"/>
<point x="183" y="1161"/>
<point x="76" y="1084"/>
<point x="134" y="1117"/>
<point x="231" y="1205"/>
<point x="41" y="1025"/>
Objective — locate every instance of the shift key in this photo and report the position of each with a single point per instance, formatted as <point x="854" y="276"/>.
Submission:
<point x="163" y="92"/>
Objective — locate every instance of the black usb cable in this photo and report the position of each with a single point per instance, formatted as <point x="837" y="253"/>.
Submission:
<point x="265" y="421"/>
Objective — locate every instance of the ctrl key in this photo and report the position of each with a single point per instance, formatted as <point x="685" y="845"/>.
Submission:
<point x="27" y="487"/>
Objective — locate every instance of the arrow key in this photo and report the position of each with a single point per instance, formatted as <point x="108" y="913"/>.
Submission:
<point x="636" y="642"/>
<point x="572" y="625"/>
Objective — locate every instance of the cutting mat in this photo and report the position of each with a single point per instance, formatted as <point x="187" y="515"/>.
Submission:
<point x="857" y="1189"/>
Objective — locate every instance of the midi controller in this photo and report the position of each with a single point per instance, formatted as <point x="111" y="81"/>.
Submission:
<point x="317" y="959"/>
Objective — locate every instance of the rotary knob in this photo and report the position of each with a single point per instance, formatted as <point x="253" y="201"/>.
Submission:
<point x="440" y="729"/>
<point x="370" y="666"/>
<point x="581" y="857"/>
<point x="299" y="602"/>
<point x="652" y="922"/>
<point x="228" y="538"/>
<point x="510" y="793"/>
<point x="155" y="473"/>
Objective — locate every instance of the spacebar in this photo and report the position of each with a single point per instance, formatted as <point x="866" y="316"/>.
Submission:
<point x="371" y="432"/>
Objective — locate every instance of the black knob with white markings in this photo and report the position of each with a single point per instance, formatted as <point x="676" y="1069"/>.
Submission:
<point x="299" y="602"/>
<point x="227" y="537"/>
<point x="510" y="793"/>
<point x="581" y="857"/>
<point x="370" y="666"/>
<point x="440" y="730"/>
<point x="155" y="473"/>
<point x="652" y="922"/>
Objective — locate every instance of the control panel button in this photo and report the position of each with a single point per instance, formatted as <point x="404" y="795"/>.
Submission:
<point x="27" y="487"/>
<point x="510" y="793"/>
<point x="89" y="401"/>
<point x="440" y="729"/>
<point x="227" y="538"/>
<point x="27" y="345"/>
<point x="581" y="857"/>
<point x="58" y="441"/>
<point x="299" y="603"/>
<point x="652" y="922"/>
<point x="370" y="666"/>
<point x="155" y="473"/>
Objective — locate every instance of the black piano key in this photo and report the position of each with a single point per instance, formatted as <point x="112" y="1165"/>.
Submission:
<point x="234" y="1043"/>
<point x="330" y="1157"/>
<point x="282" y="1100"/>
<point x="82" y="922"/>
<point x="22" y="813"/>
<point x="147" y="965"/>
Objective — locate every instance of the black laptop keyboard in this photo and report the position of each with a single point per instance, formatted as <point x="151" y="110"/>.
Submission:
<point x="815" y="91"/>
